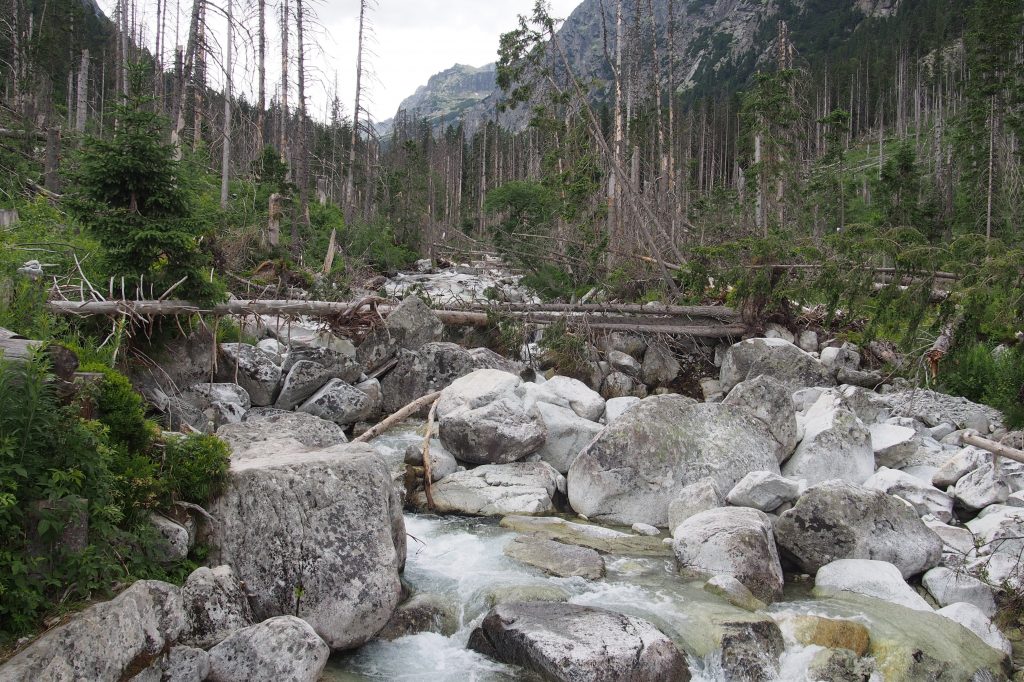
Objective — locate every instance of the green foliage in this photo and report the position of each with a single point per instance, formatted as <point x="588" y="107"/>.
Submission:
<point x="121" y="410"/>
<point x="195" y="467"/>
<point x="375" y="243"/>
<point x="567" y="349"/>
<point x="979" y="374"/>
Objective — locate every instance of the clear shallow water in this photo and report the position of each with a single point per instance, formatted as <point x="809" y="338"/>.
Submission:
<point x="462" y="560"/>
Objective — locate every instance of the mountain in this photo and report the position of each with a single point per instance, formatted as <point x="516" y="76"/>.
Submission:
<point x="719" y="44"/>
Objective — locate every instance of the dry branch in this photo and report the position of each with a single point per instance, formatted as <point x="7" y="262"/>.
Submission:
<point x="398" y="417"/>
<point x="995" y="448"/>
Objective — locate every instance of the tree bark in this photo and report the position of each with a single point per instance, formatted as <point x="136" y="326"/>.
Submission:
<point x="82" y="100"/>
<point x="225" y="166"/>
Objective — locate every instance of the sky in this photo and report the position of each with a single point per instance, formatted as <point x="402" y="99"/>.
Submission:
<point x="411" y="40"/>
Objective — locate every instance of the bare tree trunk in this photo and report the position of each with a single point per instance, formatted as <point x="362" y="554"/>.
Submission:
<point x="82" y="102"/>
<point x="225" y="166"/>
<point x="303" y="160"/>
<point x="614" y="220"/>
<point x="991" y="167"/>
<point x="284" y="82"/>
<point x="261" y="52"/>
<point x="354" y="138"/>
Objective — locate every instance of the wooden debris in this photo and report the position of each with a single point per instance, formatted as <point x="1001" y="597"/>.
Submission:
<point x="398" y="417"/>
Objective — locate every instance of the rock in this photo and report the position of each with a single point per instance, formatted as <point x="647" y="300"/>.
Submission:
<point x="771" y="402"/>
<point x="624" y="363"/>
<point x="644" y="529"/>
<point x="495" y="595"/>
<point x="999" y="532"/>
<point x="763" y="490"/>
<point x="731" y="541"/>
<point x="570" y="643"/>
<point x="640" y="463"/>
<point x="821" y="528"/>
<point x="567" y="435"/>
<point x="775" y="357"/>
<point x="935" y="408"/>
<point x="107" y="641"/>
<point x="836" y="444"/>
<point x="892" y="444"/>
<point x="328" y="520"/>
<point x="616" y="407"/>
<point x="224" y="413"/>
<point x="959" y="465"/>
<point x="372" y="389"/>
<point x="878" y="579"/>
<point x="564" y="561"/>
<point x="808" y="341"/>
<point x="338" y="402"/>
<point x="215" y="606"/>
<point x="284" y="648"/>
<point x="660" y="366"/>
<point x="631" y="344"/>
<point x="585" y="535"/>
<point x="183" y="416"/>
<point x="980" y="488"/>
<point x="409" y="326"/>
<point x="845" y="357"/>
<point x="442" y="462"/>
<point x="498" y="489"/>
<point x="950" y="587"/>
<point x="975" y="620"/>
<point x="174" y="542"/>
<point x="498" y="432"/>
<point x="582" y="400"/>
<point x="273" y="349"/>
<point x="431" y="368"/>
<point x="618" y="385"/>
<point x="251" y="369"/>
<point x="831" y="633"/>
<point x="476" y="389"/>
<point x="693" y="499"/>
<point x="729" y="588"/>
<point x="774" y="330"/>
<point x="311" y="431"/>
<point x="485" y="358"/>
<point x="342" y="365"/>
<point x="955" y="539"/>
<point x="421" y="613"/>
<point x="925" y="499"/>
<point x="303" y="380"/>
<point x="180" y="664"/>
<point x="839" y="665"/>
<point x="203" y="395"/>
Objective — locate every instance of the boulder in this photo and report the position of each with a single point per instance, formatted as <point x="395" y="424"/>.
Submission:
<point x="771" y="402"/>
<point x="729" y="588"/>
<point x="498" y="489"/>
<point x="498" y="432"/>
<point x="774" y="330"/>
<point x="975" y="620"/>
<point x="731" y="541"/>
<point x="645" y="529"/>
<point x="338" y="402"/>
<point x="587" y="535"/>
<point x="251" y="369"/>
<point x="284" y="649"/>
<point x="693" y="499"/>
<point x="205" y="394"/>
<point x="831" y="633"/>
<point x="981" y="488"/>
<point x="619" y="385"/>
<point x="409" y="326"/>
<point x="616" y="407"/>
<point x="476" y="389"/>
<point x="310" y="430"/>
<point x="892" y="444"/>
<point x="173" y="541"/>
<point x="107" y="641"/>
<point x="372" y="389"/>
<point x="215" y="606"/>
<point x="567" y="435"/>
<point x="844" y="357"/>
<point x="925" y="499"/>
<point x="570" y="643"/>
<point x="431" y="368"/>
<point x="304" y="379"/>
<point x="582" y="400"/>
<point x="329" y="521"/>
<point x="181" y="415"/>
<point x="955" y="539"/>
<point x="624" y="363"/>
<point x="631" y="344"/>
<point x="342" y="365"/>
<point x="950" y="587"/>
<point x="442" y="462"/>
<point x="763" y="490"/>
<point x="999" y="532"/>
<point x="775" y="357"/>
<point x="555" y="558"/>
<point x="822" y="528"/>
<point x="959" y="465"/>
<point x="660" y="367"/>
<point x="639" y="464"/>
<point x="485" y="358"/>
<point x="422" y="613"/>
<point x="878" y="579"/>
<point x="808" y="341"/>
<point x="180" y="664"/>
<point x="836" y="444"/>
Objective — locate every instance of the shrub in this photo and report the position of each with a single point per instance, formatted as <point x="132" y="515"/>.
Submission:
<point x="195" y="467"/>
<point x="994" y="378"/>
<point x="120" y="409"/>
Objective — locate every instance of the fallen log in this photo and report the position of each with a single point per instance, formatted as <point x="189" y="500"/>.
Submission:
<point x="997" y="449"/>
<point x="398" y="417"/>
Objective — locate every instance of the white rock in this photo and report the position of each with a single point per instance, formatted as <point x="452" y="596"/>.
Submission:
<point x="273" y="349"/>
<point x="925" y="499"/>
<point x="582" y="400"/>
<point x="954" y="538"/>
<point x="999" y="532"/>
<point x="251" y="369"/>
<point x="616" y="407"/>
<point x="878" y="579"/>
<point x="215" y="606"/>
<point x="763" y="490"/>
<point x="949" y="587"/>
<point x="499" y="489"/>
<point x="693" y="499"/>
<point x="624" y="363"/>
<point x="339" y="402"/>
<point x="981" y="488"/>
<point x="774" y="330"/>
<point x="975" y="620"/>
<point x="770" y="401"/>
<point x="712" y="391"/>
<point x="285" y="648"/>
<point x="892" y="444"/>
<point x="959" y="465"/>
<point x="497" y="432"/>
<point x="474" y="390"/>
<point x="567" y="435"/>
<point x="845" y="357"/>
<point x="644" y="529"/>
<point x="808" y="341"/>
<point x="532" y="393"/>
<point x="174" y="538"/>
<point x="836" y="444"/>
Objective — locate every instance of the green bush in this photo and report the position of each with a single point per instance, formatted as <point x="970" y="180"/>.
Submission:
<point x="121" y="409"/>
<point x="195" y="467"/>
<point x="995" y="379"/>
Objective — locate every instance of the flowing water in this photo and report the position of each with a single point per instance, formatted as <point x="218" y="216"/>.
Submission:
<point x="462" y="560"/>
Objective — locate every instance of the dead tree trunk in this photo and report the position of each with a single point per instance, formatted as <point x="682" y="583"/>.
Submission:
<point x="82" y="100"/>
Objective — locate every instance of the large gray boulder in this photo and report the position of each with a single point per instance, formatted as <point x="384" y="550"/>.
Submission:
<point x="475" y="389"/>
<point x="304" y="379"/>
<point x="776" y="358"/>
<point x="342" y="365"/>
<point x="732" y="541"/>
<point x="640" y="463"/>
<point x="498" y="432"/>
<point x="205" y="394"/>
<point x="772" y="402"/>
<point x="179" y="664"/>
<point x="567" y="435"/>
<point x="660" y="367"/>
<point x="836" y="444"/>
<point x="328" y="522"/>
<point x="582" y="400"/>
<point x="430" y="368"/>
<point x="499" y="489"/>
<point x="282" y="649"/>
<point x="107" y="641"/>
<point x="308" y="429"/>
<point x="409" y="326"/>
<point x="251" y="369"/>
<point x="338" y="402"/>
<point x="556" y="558"/>
<point x="572" y="643"/>
<point x="926" y="499"/>
<point x="215" y="606"/>
<point x="951" y="587"/>
<point x="839" y="520"/>
<point x="871" y="578"/>
<point x="763" y="490"/>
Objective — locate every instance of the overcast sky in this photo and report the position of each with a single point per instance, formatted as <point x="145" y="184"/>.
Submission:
<point x="411" y="40"/>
